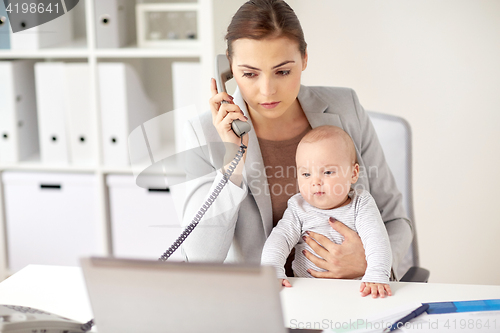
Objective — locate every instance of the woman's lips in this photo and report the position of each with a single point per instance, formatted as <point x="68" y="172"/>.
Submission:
<point x="269" y="105"/>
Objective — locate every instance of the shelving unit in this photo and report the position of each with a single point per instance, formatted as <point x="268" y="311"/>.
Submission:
<point x="157" y="63"/>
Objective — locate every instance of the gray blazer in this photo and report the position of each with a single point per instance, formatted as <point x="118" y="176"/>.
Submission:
<point x="235" y="228"/>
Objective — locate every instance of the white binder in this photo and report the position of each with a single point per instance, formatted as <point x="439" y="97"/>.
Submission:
<point x="50" y="78"/>
<point x="4" y="28"/>
<point x="55" y="32"/>
<point x="18" y="118"/>
<point x="186" y="77"/>
<point x="115" y="23"/>
<point x="66" y="121"/>
<point x="124" y="106"/>
<point x="81" y="118"/>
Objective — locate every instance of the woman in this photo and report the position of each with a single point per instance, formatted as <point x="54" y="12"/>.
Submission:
<point x="267" y="52"/>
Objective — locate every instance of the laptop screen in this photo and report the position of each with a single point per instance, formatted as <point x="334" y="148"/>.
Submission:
<point x="130" y="295"/>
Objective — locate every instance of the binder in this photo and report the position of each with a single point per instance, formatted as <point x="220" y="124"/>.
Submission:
<point x="115" y="23"/>
<point x="186" y="82"/>
<point x="4" y="28"/>
<point x="55" y="32"/>
<point x="81" y="120"/>
<point x="124" y="107"/>
<point x="18" y="117"/>
<point x="50" y="82"/>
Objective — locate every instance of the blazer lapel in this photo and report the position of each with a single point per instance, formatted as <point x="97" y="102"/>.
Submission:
<point x="316" y="109"/>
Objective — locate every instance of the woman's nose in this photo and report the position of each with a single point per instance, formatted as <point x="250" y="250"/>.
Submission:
<point x="267" y="87"/>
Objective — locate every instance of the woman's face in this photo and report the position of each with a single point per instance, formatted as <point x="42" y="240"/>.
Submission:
<point x="268" y="74"/>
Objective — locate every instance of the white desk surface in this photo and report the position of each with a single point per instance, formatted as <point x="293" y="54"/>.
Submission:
<point x="62" y="290"/>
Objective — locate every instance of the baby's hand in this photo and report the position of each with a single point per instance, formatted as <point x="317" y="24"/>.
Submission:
<point x="285" y="283"/>
<point x="375" y="289"/>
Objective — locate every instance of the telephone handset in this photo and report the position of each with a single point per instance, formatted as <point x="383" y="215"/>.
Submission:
<point x="28" y="320"/>
<point x="222" y="75"/>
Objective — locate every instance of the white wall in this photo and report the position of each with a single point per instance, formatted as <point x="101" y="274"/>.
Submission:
<point x="437" y="64"/>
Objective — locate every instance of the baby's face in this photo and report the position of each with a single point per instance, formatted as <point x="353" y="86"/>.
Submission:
<point x="325" y="172"/>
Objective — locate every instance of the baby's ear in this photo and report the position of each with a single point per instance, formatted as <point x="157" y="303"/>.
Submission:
<point x="355" y="173"/>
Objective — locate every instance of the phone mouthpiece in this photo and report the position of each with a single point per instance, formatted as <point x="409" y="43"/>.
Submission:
<point x="240" y="127"/>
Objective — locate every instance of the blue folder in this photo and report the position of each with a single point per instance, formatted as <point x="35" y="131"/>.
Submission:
<point x="464" y="306"/>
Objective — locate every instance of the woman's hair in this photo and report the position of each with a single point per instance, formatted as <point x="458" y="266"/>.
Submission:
<point x="260" y="19"/>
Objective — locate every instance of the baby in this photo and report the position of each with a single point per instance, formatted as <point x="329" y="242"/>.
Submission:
<point x="326" y="169"/>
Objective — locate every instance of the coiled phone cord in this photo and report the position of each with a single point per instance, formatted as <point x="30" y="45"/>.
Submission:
<point x="207" y="204"/>
<point x="225" y="178"/>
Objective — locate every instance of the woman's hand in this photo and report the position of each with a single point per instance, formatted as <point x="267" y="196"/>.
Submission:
<point x="223" y="115"/>
<point x="344" y="261"/>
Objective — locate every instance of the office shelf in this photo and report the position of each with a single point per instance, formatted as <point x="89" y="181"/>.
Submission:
<point x="75" y="49"/>
<point x="155" y="67"/>
<point x="39" y="167"/>
<point x="134" y="52"/>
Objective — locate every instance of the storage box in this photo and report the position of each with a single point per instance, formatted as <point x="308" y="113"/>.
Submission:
<point x="51" y="218"/>
<point x="144" y="221"/>
<point x="167" y="25"/>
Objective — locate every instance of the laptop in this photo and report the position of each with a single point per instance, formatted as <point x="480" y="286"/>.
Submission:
<point x="130" y="295"/>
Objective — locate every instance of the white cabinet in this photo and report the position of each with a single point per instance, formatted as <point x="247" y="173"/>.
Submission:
<point x="51" y="218"/>
<point x="144" y="221"/>
<point x="154" y="67"/>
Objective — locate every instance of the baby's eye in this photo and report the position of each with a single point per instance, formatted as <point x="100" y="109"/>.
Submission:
<point x="305" y="174"/>
<point x="249" y="75"/>
<point x="283" y="72"/>
<point x="329" y="172"/>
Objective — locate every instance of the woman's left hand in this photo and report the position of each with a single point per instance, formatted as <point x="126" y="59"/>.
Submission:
<point x="342" y="261"/>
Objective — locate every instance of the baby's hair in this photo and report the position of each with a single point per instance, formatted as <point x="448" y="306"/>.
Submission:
<point x="331" y="132"/>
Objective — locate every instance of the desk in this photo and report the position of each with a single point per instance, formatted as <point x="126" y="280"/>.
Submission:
<point x="338" y="301"/>
<point x="61" y="290"/>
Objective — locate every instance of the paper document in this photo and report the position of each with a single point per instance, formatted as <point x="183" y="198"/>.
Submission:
<point x="373" y="324"/>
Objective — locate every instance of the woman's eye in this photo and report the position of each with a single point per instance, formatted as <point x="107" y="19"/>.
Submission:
<point x="249" y="75"/>
<point x="283" y="73"/>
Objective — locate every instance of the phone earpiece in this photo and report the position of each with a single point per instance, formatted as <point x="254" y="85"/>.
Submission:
<point x="222" y="75"/>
